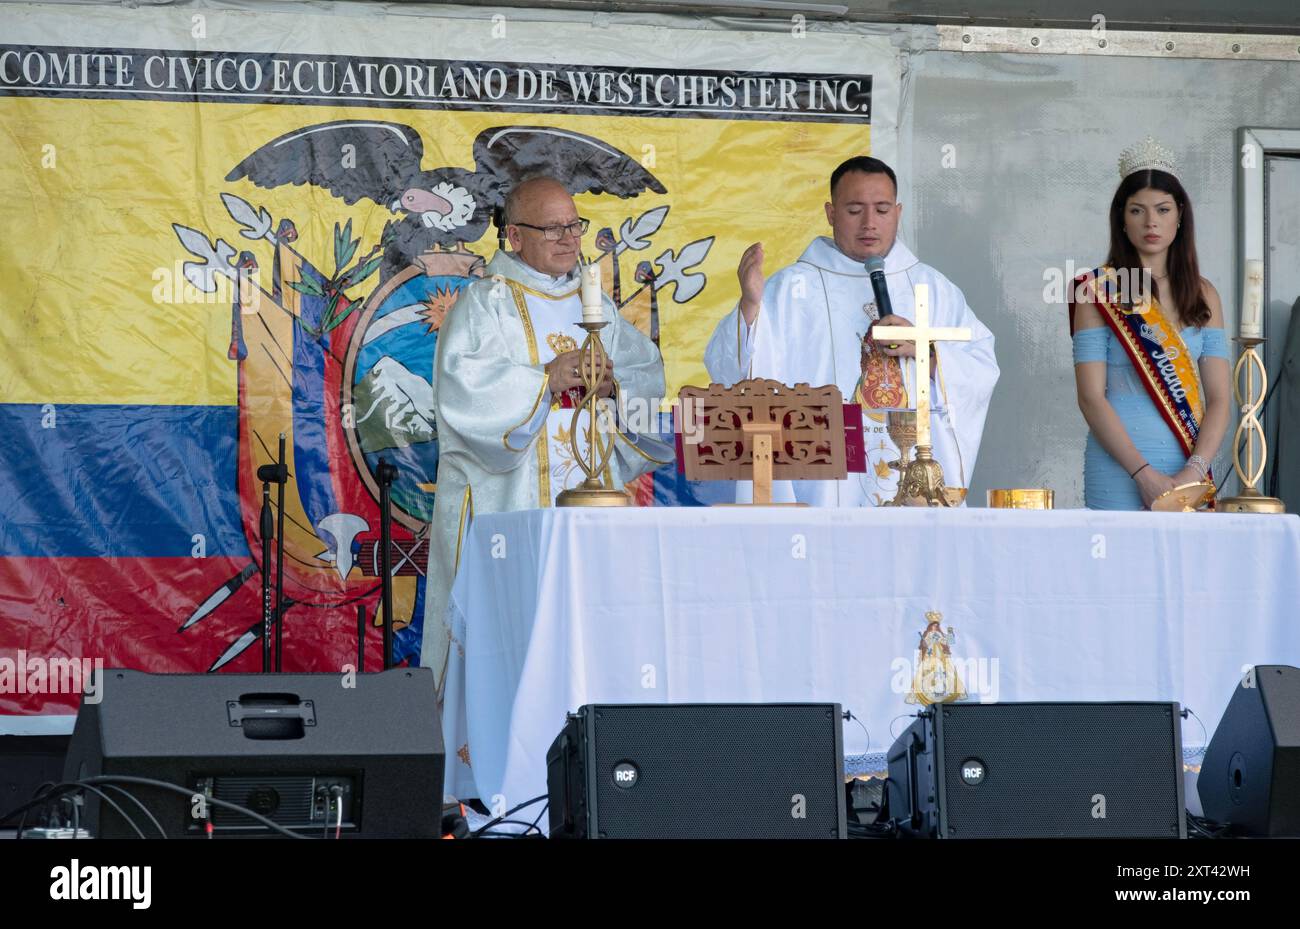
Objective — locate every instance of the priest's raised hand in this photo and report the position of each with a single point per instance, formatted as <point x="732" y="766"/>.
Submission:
<point x="804" y="324"/>
<point x="750" y="272"/>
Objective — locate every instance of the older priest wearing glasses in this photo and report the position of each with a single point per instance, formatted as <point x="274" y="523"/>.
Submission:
<point x="506" y="379"/>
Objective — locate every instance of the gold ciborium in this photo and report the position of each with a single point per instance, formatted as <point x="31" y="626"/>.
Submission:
<point x="1021" y="498"/>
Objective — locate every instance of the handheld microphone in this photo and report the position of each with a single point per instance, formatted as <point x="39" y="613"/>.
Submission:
<point x="875" y="266"/>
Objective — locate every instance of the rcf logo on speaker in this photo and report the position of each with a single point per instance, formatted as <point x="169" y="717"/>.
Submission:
<point x="625" y="775"/>
<point x="103" y="882"/>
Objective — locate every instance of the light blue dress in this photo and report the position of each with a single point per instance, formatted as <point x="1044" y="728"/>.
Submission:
<point x="1106" y="485"/>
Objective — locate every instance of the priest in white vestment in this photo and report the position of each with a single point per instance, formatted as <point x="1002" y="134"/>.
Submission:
<point x="506" y="377"/>
<point x="806" y="323"/>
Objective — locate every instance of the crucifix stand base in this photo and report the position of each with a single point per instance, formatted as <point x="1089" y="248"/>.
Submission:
<point x="921" y="483"/>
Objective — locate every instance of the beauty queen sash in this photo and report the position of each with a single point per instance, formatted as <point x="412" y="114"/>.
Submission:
<point x="1164" y="365"/>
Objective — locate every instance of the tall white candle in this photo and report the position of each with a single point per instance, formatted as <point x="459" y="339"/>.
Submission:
<point x="1252" y="300"/>
<point x="593" y="310"/>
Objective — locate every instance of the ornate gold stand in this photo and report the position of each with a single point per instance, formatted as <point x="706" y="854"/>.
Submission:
<point x="1250" y="500"/>
<point x="591" y="492"/>
<point x="920" y="479"/>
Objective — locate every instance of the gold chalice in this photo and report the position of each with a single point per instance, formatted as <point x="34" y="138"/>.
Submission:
<point x="901" y="426"/>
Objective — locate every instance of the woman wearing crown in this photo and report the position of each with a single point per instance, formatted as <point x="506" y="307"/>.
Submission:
<point x="1150" y="353"/>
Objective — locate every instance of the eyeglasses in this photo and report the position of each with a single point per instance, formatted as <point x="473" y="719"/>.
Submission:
<point x="555" y="233"/>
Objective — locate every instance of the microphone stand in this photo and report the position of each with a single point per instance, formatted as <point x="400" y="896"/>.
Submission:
<point x="361" y="637"/>
<point x="267" y="529"/>
<point x="268" y="474"/>
<point x="385" y="474"/>
<point x="283" y="478"/>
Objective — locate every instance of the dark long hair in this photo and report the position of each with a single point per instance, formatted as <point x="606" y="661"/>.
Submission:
<point x="1184" y="271"/>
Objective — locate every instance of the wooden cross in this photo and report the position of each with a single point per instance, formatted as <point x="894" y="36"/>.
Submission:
<point x="924" y="336"/>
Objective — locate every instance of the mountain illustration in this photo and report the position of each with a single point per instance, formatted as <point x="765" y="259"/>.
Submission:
<point x="394" y="407"/>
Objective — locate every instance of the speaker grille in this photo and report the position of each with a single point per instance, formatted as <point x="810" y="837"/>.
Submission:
<point x="1061" y="769"/>
<point x="724" y="771"/>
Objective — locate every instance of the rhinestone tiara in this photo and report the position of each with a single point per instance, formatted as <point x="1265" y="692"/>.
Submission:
<point x="1147" y="154"/>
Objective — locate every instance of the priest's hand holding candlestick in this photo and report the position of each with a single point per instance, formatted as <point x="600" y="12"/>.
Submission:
<point x="566" y="374"/>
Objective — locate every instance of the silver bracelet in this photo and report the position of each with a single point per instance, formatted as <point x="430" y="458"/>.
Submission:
<point x="1200" y="464"/>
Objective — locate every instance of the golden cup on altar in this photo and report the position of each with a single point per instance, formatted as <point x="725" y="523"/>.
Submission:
<point x="901" y="426"/>
<point x="1022" y="498"/>
<point x="1185" y="498"/>
<point x="955" y="495"/>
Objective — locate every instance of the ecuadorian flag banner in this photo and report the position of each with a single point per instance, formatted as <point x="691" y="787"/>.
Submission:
<point x="224" y="227"/>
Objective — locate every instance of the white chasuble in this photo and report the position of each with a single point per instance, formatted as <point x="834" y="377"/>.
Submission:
<point x="809" y="329"/>
<point x="503" y="442"/>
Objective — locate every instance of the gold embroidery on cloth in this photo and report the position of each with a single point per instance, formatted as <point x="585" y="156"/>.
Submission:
<point x="543" y="452"/>
<point x="561" y="343"/>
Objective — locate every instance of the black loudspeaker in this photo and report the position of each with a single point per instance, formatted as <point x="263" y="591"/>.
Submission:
<point x="1250" y="776"/>
<point x="27" y="762"/>
<point x="1040" y="770"/>
<point x="697" y="771"/>
<point x="359" y="755"/>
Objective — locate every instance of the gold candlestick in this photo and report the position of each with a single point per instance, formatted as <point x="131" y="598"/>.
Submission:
<point x="1250" y="500"/>
<point x="592" y="492"/>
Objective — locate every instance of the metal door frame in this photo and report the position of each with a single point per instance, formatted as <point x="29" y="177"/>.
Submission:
<point x="1257" y="144"/>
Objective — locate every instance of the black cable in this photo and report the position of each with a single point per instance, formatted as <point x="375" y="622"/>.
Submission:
<point x="132" y="797"/>
<point x="849" y="715"/>
<point x="323" y="794"/>
<point x="894" y="735"/>
<point x="76" y="824"/>
<point x="531" y="827"/>
<point x="42" y="796"/>
<point x="1188" y="711"/>
<point x="177" y="788"/>
<point x="1201" y="828"/>
<point x="509" y="812"/>
<point x="22" y="823"/>
<point x="545" y="806"/>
